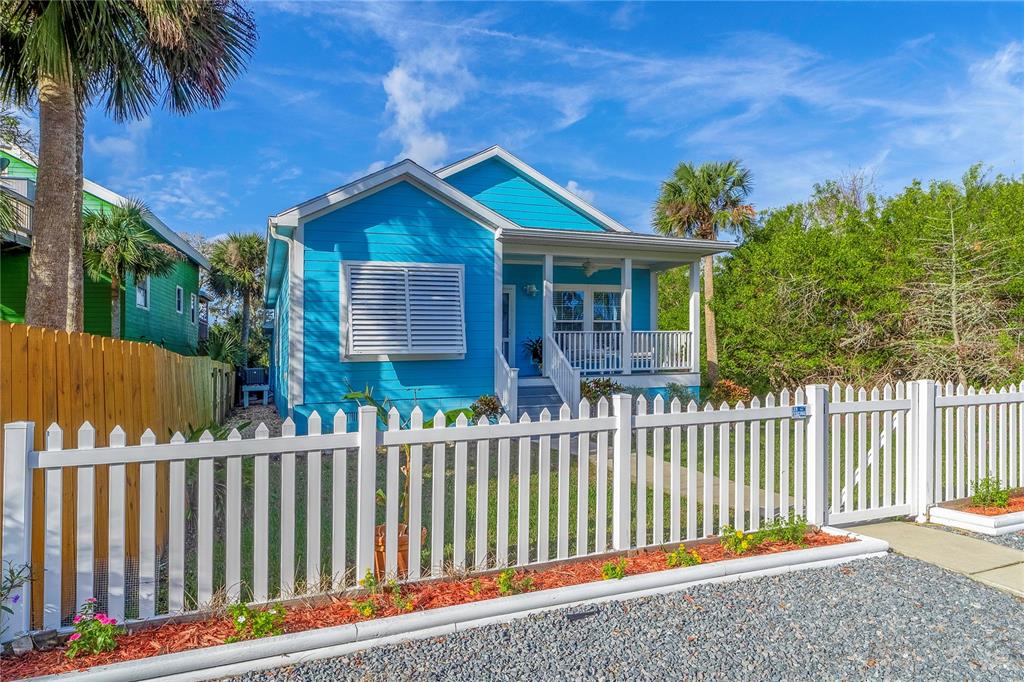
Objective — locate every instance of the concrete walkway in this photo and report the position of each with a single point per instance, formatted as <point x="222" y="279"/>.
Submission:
<point x="986" y="562"/>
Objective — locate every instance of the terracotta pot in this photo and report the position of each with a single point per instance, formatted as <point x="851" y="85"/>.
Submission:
<point x="380" y="549"/>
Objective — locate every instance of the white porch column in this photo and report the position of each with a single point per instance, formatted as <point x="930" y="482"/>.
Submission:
<point x="695" y="316"/>
<point x="549" y="306"/>
<point x="626" y="304"/>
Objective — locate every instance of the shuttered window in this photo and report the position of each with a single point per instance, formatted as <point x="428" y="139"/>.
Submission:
<point x="404" y="309"/>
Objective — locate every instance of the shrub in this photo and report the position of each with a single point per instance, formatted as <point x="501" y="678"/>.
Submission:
<point x="783" y="530"/>
<point x="728" y="391"/>
<point x="614" y="570"/>
<point x="486" y="406"/>
<point x="595" y="389"/>
<point x="12" y="579"/>
<point x="684" y="393"/>
<point x="367" y="608"/>
<point x="683" y="557"/>
<point x="255" y="624"/>
<point x="94" y="632"/>
<point x="988" y="493"/>
<point x="510" y="583"/>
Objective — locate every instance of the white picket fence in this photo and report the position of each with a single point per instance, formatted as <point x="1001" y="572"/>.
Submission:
<point x="268" y="518"/>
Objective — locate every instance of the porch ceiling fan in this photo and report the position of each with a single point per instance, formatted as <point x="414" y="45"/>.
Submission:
<point x="590" y="267"/>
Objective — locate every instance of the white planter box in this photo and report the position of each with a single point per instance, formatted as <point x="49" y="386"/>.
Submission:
<point x="299" y="647"/>
<point x="978" y="523"/>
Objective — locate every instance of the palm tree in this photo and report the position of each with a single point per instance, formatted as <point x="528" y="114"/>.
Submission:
<point x="237" y="263"/>
<point x="700" y="201"/>
<point x="124" y="55"/>
<point x="118" y="243"/>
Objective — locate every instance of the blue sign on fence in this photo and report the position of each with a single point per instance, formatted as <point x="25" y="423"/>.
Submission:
<point x="799" y="412"/>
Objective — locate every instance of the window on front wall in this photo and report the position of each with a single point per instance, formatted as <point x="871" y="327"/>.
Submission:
<point x="192" y="308"/>
<point x="179" y="300"/>
<point x="606" y="311"/>
<point x="410" y="309"/>
<point x="142" y="292"/>
<point x="569" y="311"/>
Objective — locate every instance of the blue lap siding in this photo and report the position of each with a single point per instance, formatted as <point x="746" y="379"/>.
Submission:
<point x="398" y="224"/>
<point x="501" y="188"/>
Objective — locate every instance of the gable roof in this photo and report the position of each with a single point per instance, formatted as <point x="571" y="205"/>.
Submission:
<point x="536" y="176"/>
<point x="112" y="197"/>
<point x="403" y="170"/>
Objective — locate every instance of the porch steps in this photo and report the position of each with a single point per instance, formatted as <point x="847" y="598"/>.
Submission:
<point x="535" y="396"/>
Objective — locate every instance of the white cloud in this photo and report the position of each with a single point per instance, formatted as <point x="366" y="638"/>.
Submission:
<point x="126" y="148"/>
<point x="185" y="196"/>
<point x="585" y="194"/>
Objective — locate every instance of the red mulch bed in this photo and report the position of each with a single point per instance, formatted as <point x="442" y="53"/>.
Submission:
<point x="1016" y="505"/>
<point x="174" y="637"/>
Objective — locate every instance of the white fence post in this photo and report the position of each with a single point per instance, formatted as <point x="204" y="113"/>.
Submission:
<point x="621" y="469"/>
<point x="924" y="452"/>
<point x="817" y="452"/>
<point x="17" y="550"/>
<point x="366" y="490"/>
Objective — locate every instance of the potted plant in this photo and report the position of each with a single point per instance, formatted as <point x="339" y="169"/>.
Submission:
<point x="535" y="347"/>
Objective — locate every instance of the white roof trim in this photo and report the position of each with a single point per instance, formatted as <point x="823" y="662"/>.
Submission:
<point x="535" y="175"/>
<point x="582" y="243"/>
<point x="407" y="170"/>
<point x="114" y="198"/>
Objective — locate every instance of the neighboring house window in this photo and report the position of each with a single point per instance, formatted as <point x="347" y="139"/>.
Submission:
<point x="408" y="308"/>
<point x="179" y="300"/>
<point x="142" y="293"/>
<point x="192" y="308"/>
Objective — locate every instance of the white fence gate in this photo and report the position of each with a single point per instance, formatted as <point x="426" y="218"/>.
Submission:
<point x="269" y="518"/>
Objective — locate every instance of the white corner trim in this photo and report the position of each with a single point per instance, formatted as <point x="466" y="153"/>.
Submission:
<point x="497" y="152"/>
<point x="288" y="650"/>
<point x="499" y="290"/>
<point x="296" y="322"/>
<point x="404" y="170"/>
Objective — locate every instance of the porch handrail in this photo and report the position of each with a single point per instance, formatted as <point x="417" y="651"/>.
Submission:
<point x="592" y="352"/>
<point x="663" y="350"/>
<point x="563" y="375"/>
<point x="507" y="379"/>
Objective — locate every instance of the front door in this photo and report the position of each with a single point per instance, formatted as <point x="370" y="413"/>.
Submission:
<point x="508" y="324"/>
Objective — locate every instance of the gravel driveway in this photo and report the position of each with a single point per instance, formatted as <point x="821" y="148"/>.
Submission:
<point x="890" y="618"/>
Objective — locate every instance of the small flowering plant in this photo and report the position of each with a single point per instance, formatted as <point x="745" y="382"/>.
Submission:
<point x="735" y="541"/>
<point x="94" y="632"/>
<point x="254" y="624"/>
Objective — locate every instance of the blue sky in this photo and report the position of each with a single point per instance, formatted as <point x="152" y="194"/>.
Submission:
<point x="604" y="98"/>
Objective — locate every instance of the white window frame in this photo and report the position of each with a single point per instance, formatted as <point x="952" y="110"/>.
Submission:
<point x="511" y="291"/>
<point x="193" y="309"/>
<point x="346" y="318"/>
<point x="588" y="300"/>
<point x="149" y="292"/>
<point x="179" y="300"/>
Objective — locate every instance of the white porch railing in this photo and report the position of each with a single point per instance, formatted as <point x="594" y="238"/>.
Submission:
<point x="593" y="352"/>
<point x="563" y="375"/>
<point x="507" y="383"/>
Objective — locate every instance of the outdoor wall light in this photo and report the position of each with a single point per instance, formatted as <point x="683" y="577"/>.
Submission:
<point x="530" y="290"/>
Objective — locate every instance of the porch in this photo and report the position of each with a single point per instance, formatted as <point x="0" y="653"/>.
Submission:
<point x="575" y="306"/>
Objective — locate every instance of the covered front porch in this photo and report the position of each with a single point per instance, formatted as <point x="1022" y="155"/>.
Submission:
<point x="575" y="306"/>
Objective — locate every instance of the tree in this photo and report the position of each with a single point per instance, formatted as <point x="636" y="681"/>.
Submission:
<point x="237" y="263"/>
<point x="118" y="243"/>
<point x="701" y="201"/>
<point x="124" y="55"/>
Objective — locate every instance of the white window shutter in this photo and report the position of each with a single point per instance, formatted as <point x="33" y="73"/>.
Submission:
<point x="405" y="309"/>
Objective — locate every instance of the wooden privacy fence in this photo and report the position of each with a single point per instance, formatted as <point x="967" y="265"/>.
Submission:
<point x="49" y="376"/>
<point x="264" y="518"/>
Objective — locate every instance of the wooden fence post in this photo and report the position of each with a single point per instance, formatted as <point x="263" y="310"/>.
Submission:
<point x="924" y="452"/>
<point x="621" y="470"/>
<point x="17" y="547"/>
<point x="366" y="490"/>
<point x="817" y="454"/>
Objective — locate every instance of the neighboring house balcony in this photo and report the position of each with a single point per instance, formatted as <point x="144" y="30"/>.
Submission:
<point x="21" y="192"/>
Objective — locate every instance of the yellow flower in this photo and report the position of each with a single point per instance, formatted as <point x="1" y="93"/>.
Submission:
<point x="744" y="545"/>
<point x="739" y="533"/>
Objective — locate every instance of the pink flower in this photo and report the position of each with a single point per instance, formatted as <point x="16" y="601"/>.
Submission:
<point x="74" y="636"/>
<point x="90" y="600"/>
<point x="102" y="617"/>
<point x="77" y="619"/>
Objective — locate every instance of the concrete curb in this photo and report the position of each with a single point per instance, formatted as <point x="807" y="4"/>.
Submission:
<point x="291" y="649"/>
<point x="1004" y="524"/>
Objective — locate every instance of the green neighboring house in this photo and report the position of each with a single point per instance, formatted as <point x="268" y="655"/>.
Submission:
<point x="163" y="310"/>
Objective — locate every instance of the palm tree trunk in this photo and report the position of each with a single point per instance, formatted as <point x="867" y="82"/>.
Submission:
<point x="245" y="328"/>
<point x="76" y="268"/>
<point x="710" y="335"/>
<point x="115" y="307"/>
<point x="55" y="216"/>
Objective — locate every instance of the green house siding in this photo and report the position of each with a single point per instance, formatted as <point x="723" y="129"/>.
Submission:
<point x="160" y="324"/>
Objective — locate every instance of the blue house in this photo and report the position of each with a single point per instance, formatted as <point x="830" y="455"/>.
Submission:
<point x="484" y="277"/>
